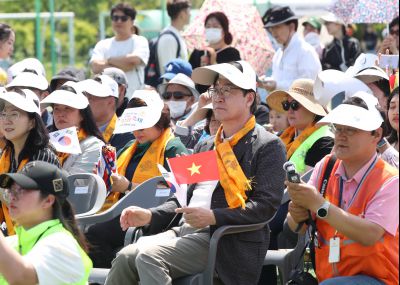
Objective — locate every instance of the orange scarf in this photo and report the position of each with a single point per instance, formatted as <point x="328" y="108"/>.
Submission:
<point x="289" y="134"/>
<point x="62" y="156"/>
<point x="110" y="129"/>
<point x="147" y="167"/>
<point x="232" y="178"/>
<point x="5" y="165"/>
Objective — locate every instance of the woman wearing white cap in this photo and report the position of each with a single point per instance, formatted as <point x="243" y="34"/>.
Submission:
<point x="71" y="109"/>
<point x="342" y="52"/>
<point x="26" y="138"/>
<point x="137" y="162"/>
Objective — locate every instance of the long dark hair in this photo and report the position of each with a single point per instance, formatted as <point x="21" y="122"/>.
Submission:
<point x="5" y="32"/>
<point x="63" y="211"/>
<point x="88" y="124"/>
<point x="224" y="22"/>
<point x="38" y="138"/>
<point x="392" y="138"/>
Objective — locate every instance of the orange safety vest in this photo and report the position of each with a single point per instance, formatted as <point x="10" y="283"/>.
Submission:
<point x="381" y="260"/>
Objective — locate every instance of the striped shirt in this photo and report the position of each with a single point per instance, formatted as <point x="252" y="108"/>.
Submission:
<point x="46" y="154"/>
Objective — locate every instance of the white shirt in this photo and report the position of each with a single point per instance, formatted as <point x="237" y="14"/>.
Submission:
<point x="135" y="45"/>
<point x="167" y="48"/>
<point x="297" y="60"/>
<point x="56" y="259"/>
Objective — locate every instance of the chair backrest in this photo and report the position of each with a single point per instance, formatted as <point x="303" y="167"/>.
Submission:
<point x="150" y="193"/>
<point x="87" y="193"/>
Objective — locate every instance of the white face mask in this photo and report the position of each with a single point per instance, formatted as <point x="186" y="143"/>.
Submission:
<point x="176" y="108"/>
<point x="213" y="35"/>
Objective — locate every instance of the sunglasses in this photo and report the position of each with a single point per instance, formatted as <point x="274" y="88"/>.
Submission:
<point x="294" y="105"/>
<point x="177" y="95"/>
<point x="116" y="18"/>
<point x="394" y="32"/>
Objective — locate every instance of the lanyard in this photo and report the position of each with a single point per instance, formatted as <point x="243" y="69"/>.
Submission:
<point x="341" y="187"/>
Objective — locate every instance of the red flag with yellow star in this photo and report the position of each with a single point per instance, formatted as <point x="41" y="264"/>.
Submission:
<point x="195" y="168"/>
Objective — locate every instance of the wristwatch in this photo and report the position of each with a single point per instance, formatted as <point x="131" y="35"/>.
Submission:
<point x="323" y="211"/>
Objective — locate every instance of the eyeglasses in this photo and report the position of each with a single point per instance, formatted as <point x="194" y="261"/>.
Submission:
<point x="286" y="105"/>
<point x="178" y="95"/>
<point x="343" y="130"/>
<point x="12" y="116"/>
<point x="16" y="192"/>
<point x="224" y="91"/>
<point x="116" y="18"/>
<point x="394" y="32"/>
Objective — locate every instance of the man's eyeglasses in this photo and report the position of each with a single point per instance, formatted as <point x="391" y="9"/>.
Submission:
<point x="116" y="18"/>
<point x="394" y="32"/>
<point x="294" y="105"/>
<point x="177" y="95"/>
<point x="224" y="91"/>
<point x="347" y="131"/>
<point x="12" y="116"/>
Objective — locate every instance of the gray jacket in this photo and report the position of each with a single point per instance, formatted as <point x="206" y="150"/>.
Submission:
<point x="240" y="256"/>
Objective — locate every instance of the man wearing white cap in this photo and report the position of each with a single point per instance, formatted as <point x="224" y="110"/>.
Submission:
<point x="355" y="199"/>
<point x="102" y="93"/>
<point x="342" y="52"/>
<point x="180" y="95"/>
<point x="244" y="194"/>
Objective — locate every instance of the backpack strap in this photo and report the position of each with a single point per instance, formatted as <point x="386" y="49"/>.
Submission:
<point x="167" y="32"/>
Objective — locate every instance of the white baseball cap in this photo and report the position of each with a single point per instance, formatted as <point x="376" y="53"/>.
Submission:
<point x="110" y="84"/>
<point x="330" y="17"/>
<point x="372" y="74"/>
<point x="69" y="94"/>
<point x="95" y="88"/>
<point x="245" y="80"/>
<point x="23" y="99"/>
<point x="355" y="116"/>
<point x="180" y="79"/>
<point x="331" y="82"/>
<point x="29" y="79"/>
<point x="30" y="63"/>
<point x="363" y="61"/>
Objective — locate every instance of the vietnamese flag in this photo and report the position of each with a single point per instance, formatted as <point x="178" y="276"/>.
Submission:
<point x="195" y="168"/>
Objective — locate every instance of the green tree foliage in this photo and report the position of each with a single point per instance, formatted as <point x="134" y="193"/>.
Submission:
<point x="86" y="25"/>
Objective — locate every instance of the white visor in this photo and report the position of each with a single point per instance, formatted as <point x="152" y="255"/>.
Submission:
<point x="66" y="97"/>
<point x="28" y="101"/>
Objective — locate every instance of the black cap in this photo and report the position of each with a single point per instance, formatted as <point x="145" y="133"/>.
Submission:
<point x="69" y="74"/>
<point x="38" y="175"/>
<point x="117" y="74"/>
<point x="278" y="15"/>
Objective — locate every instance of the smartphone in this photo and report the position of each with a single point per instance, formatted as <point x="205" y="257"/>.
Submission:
<point x="389" y="61"/>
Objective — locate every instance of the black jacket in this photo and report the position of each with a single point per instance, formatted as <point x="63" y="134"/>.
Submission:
<point x="240" y="256"/>
<point x="332" y="53"/>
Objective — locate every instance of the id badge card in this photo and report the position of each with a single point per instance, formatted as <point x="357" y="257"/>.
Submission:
<point x="334" y="250"/>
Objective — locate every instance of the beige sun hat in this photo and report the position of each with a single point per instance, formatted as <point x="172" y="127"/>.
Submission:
<point x="301" y="90"/>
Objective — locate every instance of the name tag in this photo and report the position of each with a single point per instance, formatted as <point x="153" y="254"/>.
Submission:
<point x="334" y="250"/>
<point x="162" y="192"/>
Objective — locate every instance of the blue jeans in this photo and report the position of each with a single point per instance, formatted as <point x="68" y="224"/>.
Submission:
<point x="353" y="280"/>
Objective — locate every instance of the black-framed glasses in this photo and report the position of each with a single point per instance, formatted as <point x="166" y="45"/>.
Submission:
<point x="224" y="91"/>
<point x="116" y="18"/>
<point x="178" y="95"/>
<point x="347" y="131"/>
<point x="294" y="105"/>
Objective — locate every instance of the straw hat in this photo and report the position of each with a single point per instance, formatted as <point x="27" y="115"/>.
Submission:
<point x="301" y="90"/>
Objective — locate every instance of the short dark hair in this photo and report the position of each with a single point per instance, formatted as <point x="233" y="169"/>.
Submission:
<point x="295" y="22"/>
<point x="174" y="7"/>
<point x="394" y="22"/>
<point x="165" y="120"/>
<point x="392" y="136"/>
<point x="224" y="22"/>
<point x="5" y="32"/>
<point x="383" y="85"/>
<point x="126" y="8"/>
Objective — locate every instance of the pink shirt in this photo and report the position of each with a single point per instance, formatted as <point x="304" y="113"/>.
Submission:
<point x="383" y="209"/>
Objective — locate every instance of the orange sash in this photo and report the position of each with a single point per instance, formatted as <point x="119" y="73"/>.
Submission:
<point x="289" y="134"/>
<point x="232" y="178"/>
<point x="5" y="165"/>
<point x="110" y="129"/>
